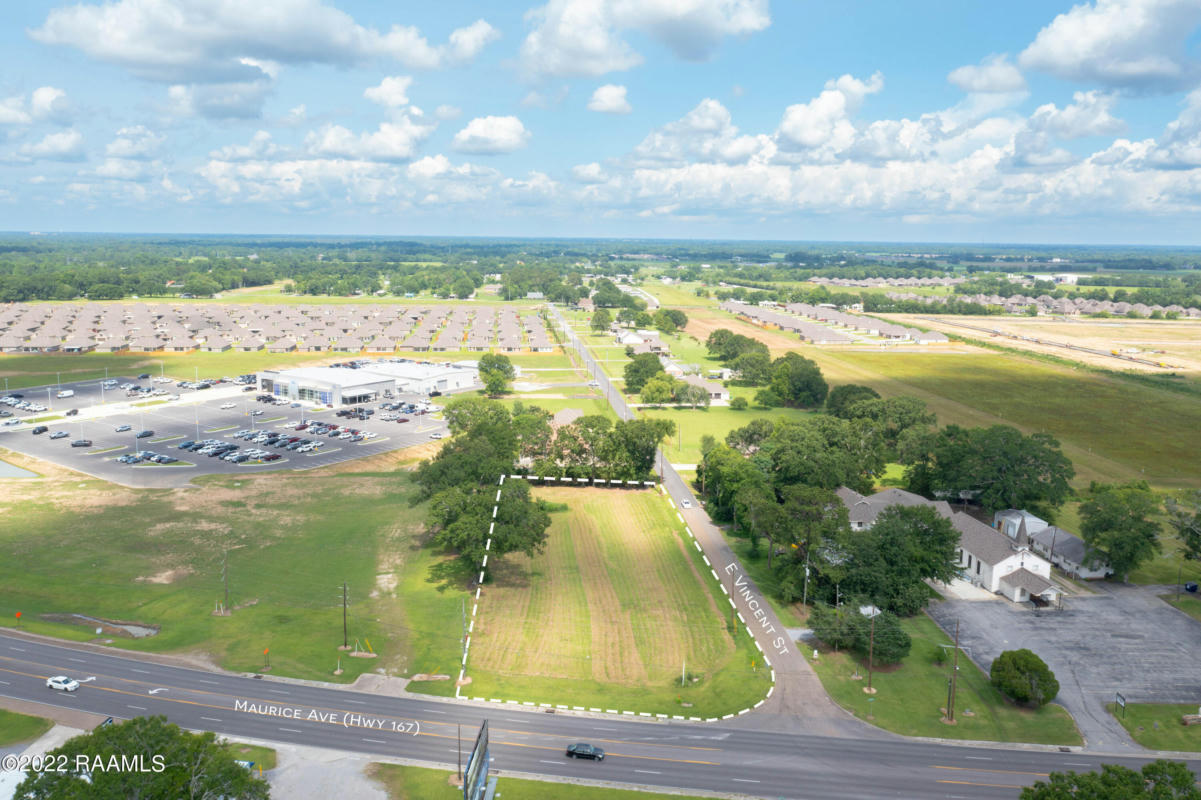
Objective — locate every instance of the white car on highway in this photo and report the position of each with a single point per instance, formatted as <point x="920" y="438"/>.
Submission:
<point x="229" y="405"/>
<point x="685" y="504"/>
<point x="62" y="683"/>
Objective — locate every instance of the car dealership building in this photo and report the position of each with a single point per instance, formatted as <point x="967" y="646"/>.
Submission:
<point x="340" y="386"/>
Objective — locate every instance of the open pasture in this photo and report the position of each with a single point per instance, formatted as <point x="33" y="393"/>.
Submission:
<point x="610" y="614"/>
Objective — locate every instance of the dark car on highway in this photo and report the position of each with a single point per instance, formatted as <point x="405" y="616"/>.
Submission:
<point x="72" y="412"/>
<point x="582" y="750"/>
<point x="40" y="429"/>
<point x="82" y="443"/>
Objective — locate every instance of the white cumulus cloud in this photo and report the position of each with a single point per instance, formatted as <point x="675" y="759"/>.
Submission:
<point x="136" y="142"/>
<point x="1087" y="115"/>
<point x="397" y="140"/>
<point x="584" y="37"/>
<point x="392" y="92"/>
<point x="610" y="99"/>
<point x="994" y="74"/>
<point x="260" y="146"/>
<point x="1125" y="44"/>
<point x="492" y="135"/>
<point x="62" y="146"/>
<point x="825" y="120"/>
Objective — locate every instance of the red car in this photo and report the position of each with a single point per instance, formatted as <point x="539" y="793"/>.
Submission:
<point x="272" y="457"/>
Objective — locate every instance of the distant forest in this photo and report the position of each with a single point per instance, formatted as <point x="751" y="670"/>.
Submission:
<point x="111" y="267"/>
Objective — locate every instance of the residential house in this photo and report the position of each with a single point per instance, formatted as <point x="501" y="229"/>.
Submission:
<point x="1063" y="549"/>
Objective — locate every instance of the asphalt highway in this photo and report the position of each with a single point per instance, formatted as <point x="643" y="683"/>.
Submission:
<point x="711" y="757"/>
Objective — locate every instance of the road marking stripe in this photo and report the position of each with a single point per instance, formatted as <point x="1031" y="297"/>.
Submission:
<point x="648" y="772"/>
<point x="972" y="783"/>
<point x="139" y="708"/>
<point x="981" y="769"/>
<point x="291" y="730"/>
<point x="376" y="741"/>
<point x="745" y="780"/>
<point x="77" y="660"/>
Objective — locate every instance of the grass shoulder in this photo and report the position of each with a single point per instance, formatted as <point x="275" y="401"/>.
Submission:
<point x="1158" y="726"/>
<point x="17" y="728"/>
<point x="263" y="758"/>
<point x="1188" y="603"/>
<point x="911" y="697"/>
<point x="422" y="783"/>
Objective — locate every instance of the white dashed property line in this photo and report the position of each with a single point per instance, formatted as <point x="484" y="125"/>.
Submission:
<point x="484" y="564"/>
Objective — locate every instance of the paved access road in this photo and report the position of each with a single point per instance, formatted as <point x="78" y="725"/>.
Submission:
<point x="712" y="757"/>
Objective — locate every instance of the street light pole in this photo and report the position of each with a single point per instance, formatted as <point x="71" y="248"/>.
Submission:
<point x="871" y="648"/>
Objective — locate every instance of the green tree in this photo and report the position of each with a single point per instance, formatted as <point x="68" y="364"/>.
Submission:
<point x="797" y="381"/>
<point x="767" y="398"/>
<point x="738" y="403"/>
<point x="753" y="368"/>
<point x="464" y="412"/>
<point x="463" y="287"/>
<point x="841" y="398"/>
<point x="846" y="628"/>
<point x="641" y="368"/>
<point x="177" y="764"/>
<point x="1159" y="780"/>
<point x="657" y="390"/>
<point x="750" y="437"/>
<point x="601" y="320"/>
<point x="1116" y="522"/>
<point x="1185" y="518"/>
<point x="634" y="443"/>
<point x="889" y="563"/>
<point x="892" y="417"/>
<point x="664" y="321"/>
<point x="460" y="519"/>
<point x="815" y="522"/>
<point x="693" y="396"/>
<point x="998" y="466"/>
<point x="1024" y="678"/>
<point x="496" y="370"/>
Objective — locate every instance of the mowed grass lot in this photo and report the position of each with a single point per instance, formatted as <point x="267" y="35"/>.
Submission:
<point x="81" y="546"/>
<point x="422" y="783"/>
<point x="1158" y="726"/>
<point x="911" y="698"/>
<point x="16" y="728"/>
<point x="609" y="614"/>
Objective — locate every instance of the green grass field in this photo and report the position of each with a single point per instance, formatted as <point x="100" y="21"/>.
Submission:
<point x="155" y="557"/>
<point x="1158" y="726"/>
<point x="716" y="421"/>
<point x="421" y="783"/>
<point x="37" y="370"/>
<point x="608" y="616"/>
<point x="263" y="757"/>
<point x="16" y="728"/>
<point x="910" y="698"/>
<point x="1105" y="423"/>
<point x="1188" y="603"/>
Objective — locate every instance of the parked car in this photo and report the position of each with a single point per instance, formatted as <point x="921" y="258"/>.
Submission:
<point x="59" y="435"/>
<point x="229" y="405"/>
<point x="583" y="750"/>
<point x="82" y="443"/>
<point x="144" y="434"/>
<point x="71" y="412"/>
<point x="185" y="445"/>
<point x="123" y="428"/>
<point x="62" y="683"/>
<point x="40" y="429"/>
<point x="272" y="457"/>
<point x="437" y="435"/>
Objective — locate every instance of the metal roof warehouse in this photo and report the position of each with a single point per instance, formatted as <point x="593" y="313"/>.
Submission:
<point x="338" y="386"/>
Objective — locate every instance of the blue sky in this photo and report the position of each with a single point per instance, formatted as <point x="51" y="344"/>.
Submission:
<point x="748" y="119"/>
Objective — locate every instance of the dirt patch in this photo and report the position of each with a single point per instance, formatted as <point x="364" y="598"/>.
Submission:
<point x="701" y="324"/>
<point x="105" y="627"/>
<point x="166" y="576"/>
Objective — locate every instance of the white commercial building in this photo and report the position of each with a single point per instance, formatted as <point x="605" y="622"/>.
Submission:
<point x="327" y="386"/>
<point x="341" y="386"/>
<point x="412" y="377"/>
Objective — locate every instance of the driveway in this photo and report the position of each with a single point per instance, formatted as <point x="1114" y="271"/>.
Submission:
<point x="1122" y="639"/>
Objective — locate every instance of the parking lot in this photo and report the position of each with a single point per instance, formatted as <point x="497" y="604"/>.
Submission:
<point x="117" y="427"/>
<point x="1120" y="639"/>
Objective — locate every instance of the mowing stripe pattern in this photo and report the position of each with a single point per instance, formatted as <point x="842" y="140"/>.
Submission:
<point x="599" y="482"/>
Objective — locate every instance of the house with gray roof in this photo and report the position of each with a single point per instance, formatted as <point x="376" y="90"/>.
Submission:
<point x="986" y="557"/>
<point x="1063" y="549"/>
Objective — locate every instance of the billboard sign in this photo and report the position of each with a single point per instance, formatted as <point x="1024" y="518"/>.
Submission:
<point x="475" y="776"/>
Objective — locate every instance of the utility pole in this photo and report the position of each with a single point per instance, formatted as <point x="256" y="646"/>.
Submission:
<point x="871" y="648"/>
<point x="805" y="591"/>
<point x="225" y="578"/>
<point x="954" y="675"/>
<point x="345" y="637"/>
